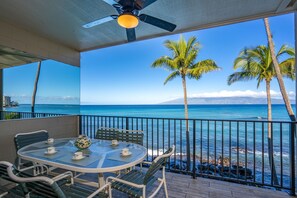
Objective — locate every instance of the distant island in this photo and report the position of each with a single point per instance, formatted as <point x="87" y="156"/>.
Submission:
<point x="225" y="100"/>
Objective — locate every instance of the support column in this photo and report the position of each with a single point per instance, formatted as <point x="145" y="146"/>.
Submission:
<point x="295" y="31"/>
<point x="1" y="90"/>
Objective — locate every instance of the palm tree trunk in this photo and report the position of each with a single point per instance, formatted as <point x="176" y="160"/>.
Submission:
<point x="187" y="122"/>
<point x="35" y="88"/>
<point x="185" y="101"/>
<point x="270" y="145"/>
<point x="278" y="73"/>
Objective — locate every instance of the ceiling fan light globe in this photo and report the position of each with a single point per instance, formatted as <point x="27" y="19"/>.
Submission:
<point x="128" y="20"/>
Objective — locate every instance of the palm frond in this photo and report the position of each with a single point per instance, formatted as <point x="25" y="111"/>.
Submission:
<point x="166" y="62"/>
<point x="192" y="45"/>
<point x="172" y="46"/>
<point x="183" y="60"/>
<point x="190" y="58"/>
<point x="240" y="76"/>
<point x="257" y="63"/>
<point x="203" y="67"/>
<point x="285" y="49"/>
<point x="287" y="68"/>
<point x="171" y="76"/>
<point x="240" y="62"/>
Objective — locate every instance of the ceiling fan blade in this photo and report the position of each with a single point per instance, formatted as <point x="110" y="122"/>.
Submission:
<point x="110" y="2"/>
<point x="157" y="22"/>
<point x="140" y="4"/>
<point x="136" y="4"/>
<point x="100" y="21"/>
<point x="131" y="36"/>
<point x="291" y="3"/>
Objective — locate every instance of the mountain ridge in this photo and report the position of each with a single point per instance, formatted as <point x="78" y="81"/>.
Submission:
<point x="225" y="100"/>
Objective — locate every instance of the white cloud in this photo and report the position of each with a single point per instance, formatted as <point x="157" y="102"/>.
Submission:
<point x="240" y="93"/>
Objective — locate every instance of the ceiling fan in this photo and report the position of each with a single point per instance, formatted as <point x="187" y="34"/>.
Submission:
<point x="129" y="16"/>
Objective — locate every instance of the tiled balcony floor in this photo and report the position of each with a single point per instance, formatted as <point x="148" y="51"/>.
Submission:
<point x="183" y="186"/>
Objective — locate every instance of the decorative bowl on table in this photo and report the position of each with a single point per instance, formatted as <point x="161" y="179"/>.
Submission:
<point x="83" y="142"/>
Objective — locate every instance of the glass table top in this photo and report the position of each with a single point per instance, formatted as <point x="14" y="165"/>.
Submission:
<point x="100" y="157"/>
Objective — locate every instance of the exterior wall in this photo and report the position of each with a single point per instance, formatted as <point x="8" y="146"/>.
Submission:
<point x="16" y="38"/>
<point x="1" y="89"/>
<point x="58" y="127"/>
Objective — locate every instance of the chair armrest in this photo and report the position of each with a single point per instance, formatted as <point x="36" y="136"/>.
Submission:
<point x="24" y="180"/>
<point x="107" y="185"/>
<point x="34" y="166"/>
<point x="63" y="176"/>
<point x="124" y="182"/>
<point x="144" y="162"/>
<point x="165" y="155"/>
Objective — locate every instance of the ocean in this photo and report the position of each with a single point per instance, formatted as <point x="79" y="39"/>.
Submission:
<point x="164" y="111"/>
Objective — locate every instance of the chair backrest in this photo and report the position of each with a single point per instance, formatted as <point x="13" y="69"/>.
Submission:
<point x="39" y="186"/>
<point x="133" y="136"/>
<point x="158" y="163"/>
<point x="4" y="174"/>
<point x="106" y="133"/>
<point x="24" y="139"/>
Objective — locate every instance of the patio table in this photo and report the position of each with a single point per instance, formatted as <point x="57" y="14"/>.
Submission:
<point x="100" y="157"/>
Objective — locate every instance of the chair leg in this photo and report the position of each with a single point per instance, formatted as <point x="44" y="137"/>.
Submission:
<point x="143" y="192"/>
<point x="35" y="172"/>
<point x="109" y="192"/>
<point x="165" y="184"/>
<point x="165" y="188"/>
<point x="3" y="194"/>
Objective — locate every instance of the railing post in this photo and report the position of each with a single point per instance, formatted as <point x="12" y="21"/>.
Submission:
<point x="188" y="151"/>
<point x="194" y="149"/>
<point x="80" y="125"/>
<point x="127" y="123"/>
<point x="292" y="158"/>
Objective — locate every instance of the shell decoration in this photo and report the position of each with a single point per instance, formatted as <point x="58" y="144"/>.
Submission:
<point x="83" y="142"/>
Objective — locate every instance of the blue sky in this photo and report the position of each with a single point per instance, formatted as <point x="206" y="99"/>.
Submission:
<point x="58" y="83"/>
<point x="123" y="74"/>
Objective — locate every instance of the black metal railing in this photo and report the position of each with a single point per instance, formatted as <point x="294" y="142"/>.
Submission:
<point x="8" y="115"/>
<point x="233" y="150"/>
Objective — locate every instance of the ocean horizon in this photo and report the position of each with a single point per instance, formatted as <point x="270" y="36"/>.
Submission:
<point x="196" y="111"/>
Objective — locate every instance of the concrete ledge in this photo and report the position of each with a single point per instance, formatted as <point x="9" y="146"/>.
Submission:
<point x="58" y="127"/>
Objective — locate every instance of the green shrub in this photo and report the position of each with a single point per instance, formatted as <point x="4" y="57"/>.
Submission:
<point x="12" y="116"/>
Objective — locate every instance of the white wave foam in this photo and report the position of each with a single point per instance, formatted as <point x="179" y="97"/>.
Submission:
<point x="242" y="151"/>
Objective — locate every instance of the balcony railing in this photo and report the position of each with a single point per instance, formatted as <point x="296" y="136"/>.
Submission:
<point x="8" y="115"/>
<point x="233" y="150"/>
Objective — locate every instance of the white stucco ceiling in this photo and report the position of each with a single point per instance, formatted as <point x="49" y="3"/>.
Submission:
<point x="60" y="21"/>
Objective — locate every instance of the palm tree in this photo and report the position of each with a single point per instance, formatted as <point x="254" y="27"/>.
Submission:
<point x="182" y="64"/>
<point x="35" y="88"/>
<point x="290" y="62"/>
<point x="256" y="63"/>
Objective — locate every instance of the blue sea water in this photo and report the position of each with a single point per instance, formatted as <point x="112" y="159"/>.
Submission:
<point x="164" y="111"/>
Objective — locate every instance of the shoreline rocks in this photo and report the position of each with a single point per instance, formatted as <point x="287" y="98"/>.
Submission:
<point x="215" y="169"/>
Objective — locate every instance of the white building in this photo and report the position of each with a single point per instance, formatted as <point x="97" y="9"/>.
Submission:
<point x="6" y="101"/>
